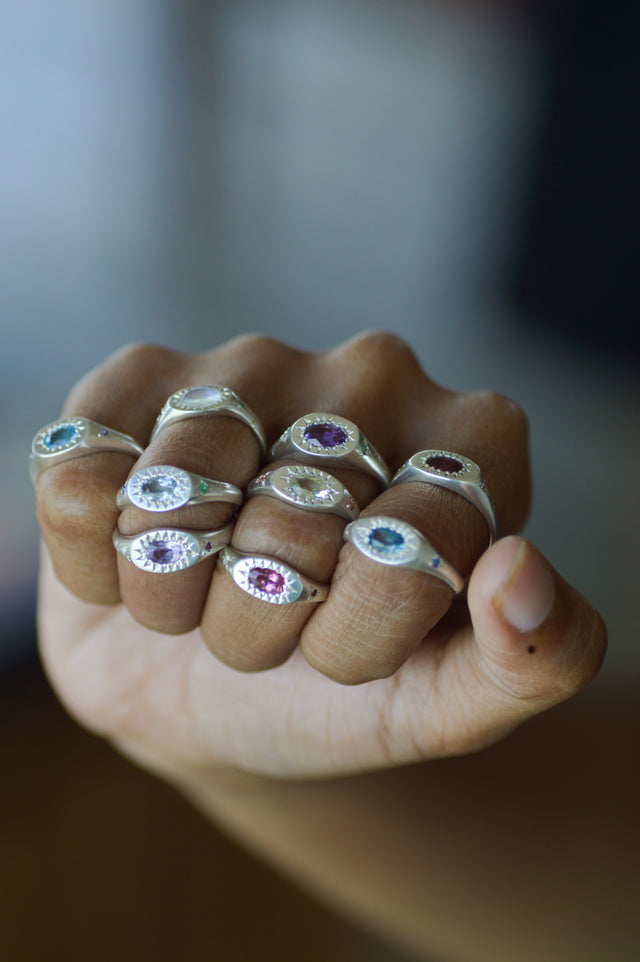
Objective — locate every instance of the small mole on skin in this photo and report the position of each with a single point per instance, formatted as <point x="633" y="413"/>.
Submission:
<point x="531" y="649"/>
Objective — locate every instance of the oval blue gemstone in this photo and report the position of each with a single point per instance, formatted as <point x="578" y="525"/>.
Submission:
<point x="160" y="485"/>
<point x="386" y="540"/>
<point x="61" y="436"/>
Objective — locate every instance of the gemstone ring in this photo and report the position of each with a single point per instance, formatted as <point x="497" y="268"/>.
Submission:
<point x="74" y="437"/>
<point x="165" y="550"/>
<point x="332" y="439"/>
<point x="268" y="579"/>
<point x="208" y="399"/>
<point x="307" y="488"/>
<point x="455" y="472"/>
<point x="390" y="541"/>
<point x="162" y="487"/>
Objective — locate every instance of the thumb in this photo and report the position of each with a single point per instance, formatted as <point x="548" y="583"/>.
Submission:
<point x="536" y="636"/>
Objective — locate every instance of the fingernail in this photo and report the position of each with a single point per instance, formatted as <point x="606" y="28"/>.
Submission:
<point x="527" y="593"/>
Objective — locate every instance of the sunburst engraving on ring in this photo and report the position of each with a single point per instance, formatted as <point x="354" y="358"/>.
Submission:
<point x="60" y="436"/>
<point x="159" y="488"/>
<point x="265" y="579"/>
<point x="165" y="551"/>
<point x="388" y="540"/>
<point x="325" y="434"/>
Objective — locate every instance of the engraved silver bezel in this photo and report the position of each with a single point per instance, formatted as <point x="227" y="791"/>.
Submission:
<point x="469" y="471"/>
<point x="193" y="550"/>
<point x="360" y="533"/>
<point x="179" y="401"/>
<point x="80" y="427"/>
<point x="351" y="442"/>
<point x="182" y="493"/>
<point x="240" y="570"/>
<point x="284" y="479"/>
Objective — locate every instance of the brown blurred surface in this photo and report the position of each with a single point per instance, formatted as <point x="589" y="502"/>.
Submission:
<point x="102" y="862"/>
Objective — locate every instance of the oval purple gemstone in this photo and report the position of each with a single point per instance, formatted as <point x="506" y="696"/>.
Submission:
<point x="325" y="434"/>
<point x="267" y="580"/>
<point x="442" y="462"/>
<point x="162" y="552"/>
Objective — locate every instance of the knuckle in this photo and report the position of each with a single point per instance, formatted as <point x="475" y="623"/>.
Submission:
<point x="122" y="372"/>
<point x="501" y="412"/>
<point x="260" y="349"/>
<point x="381" y="349"/>
<point x="68" y="509"/>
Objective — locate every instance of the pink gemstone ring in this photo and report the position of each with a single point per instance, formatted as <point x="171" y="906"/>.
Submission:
<point x="329" y="439"/>
<point x="455" y="472"/>
<point x="268" y="579"/>
<point x="208" y="399"/>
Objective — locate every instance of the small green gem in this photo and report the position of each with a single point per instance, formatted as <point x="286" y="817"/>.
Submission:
<point x="365" y="448"/>
<point x="203" y="487"/>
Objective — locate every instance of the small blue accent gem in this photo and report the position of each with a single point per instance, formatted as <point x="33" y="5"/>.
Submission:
<point x="61" y="436"/>
<point x="435" y="563"/>
<point x="386" y="540"/>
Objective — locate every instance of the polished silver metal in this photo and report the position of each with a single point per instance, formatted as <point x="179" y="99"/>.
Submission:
<point x="455" y="472"/>
<point x="163" y="487"/>
<point x="166" y="550"/>
<point x="75" y="437"/>
<point x="307" y="488"/>
<point x="208" y="399"/>
<point x="270" y="580"/>
<point x="333" y="440"/>
<point x="390" y="541"/>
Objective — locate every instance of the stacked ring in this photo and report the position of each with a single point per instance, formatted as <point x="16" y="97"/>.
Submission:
<point x="268" y="579"/>
<point x="75" y="437"/>
<point x="307" y="488"/>
<point x="166" y="550"/>
<point x="208" y="399"/>
<point x="333" y="439"/>
<point x="166" y="488"/>
<point x="390" y="541"/>
<point x="455" y="472"/>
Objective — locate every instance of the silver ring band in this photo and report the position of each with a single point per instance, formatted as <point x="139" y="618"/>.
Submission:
<point x="208" y="399"/>
<point x="75" y="437"/>
<point x="163" y="487"/>
<point x="270" y="580"/>
<point x="390" y="541"/>
<point x="307" y="488"/>
<point x="165" y="550"/>
<point x="333" y="440"/>
<point x="455" y="472"/>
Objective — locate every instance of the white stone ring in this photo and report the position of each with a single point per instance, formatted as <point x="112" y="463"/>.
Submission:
<point x="455" y="472"/>
<point x="307" y="488"/>
<point x="208" y="399"/>
<point x="75" y="437"/>
<point x="333" y="440"/>
<point x="165" y="550"/>
<point x="390" y="541"/>
<point x="163" y="487"/>
<point x="270" y="580"/>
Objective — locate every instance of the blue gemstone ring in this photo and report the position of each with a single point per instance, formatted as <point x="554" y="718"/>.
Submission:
<point x="163" y="487"/>
<point x="165" y="550"/>
<point x="390" y="541"/>
<point x="75" y="437"/>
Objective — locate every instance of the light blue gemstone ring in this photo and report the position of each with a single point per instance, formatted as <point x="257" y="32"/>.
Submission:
<point x="74" y="437"/>
<point x="163" y="487"/>
<point x="390" y="541"/>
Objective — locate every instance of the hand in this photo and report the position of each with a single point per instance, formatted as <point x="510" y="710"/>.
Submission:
<point x="185" y="670"/>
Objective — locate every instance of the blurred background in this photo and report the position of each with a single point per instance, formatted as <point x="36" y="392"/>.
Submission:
<point x="464" y="174"/>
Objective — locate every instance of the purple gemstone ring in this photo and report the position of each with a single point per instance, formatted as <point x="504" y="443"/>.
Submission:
<point x="332" y="440"/>
<point x="455" y="472"/>
<point x="165" y="550"/>
<point x="270" y="580"/>
<point x="163" y="487"/>
<point x="74" y="437"/>
<point x="208" y="399"/>
<point x="390" y="541"/>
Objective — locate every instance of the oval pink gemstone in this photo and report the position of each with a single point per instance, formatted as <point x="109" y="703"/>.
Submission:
<point x="442" y="462"/>
<point x="267" y="580"/>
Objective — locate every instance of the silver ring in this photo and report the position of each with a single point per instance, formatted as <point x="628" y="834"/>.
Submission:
<point x="270" y="580"/>
<point x="333" y="439"/>
<point x="393" y="542"/>
<point x="74" y="437"/>
<point x="455" y="472"/>
<point x="307" y="488"/>
<point x="163" y="487"/>
<point x="165" y="550"/>
<point x="208" y="399"/>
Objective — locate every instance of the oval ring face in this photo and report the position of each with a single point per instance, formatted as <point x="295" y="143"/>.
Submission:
<point x="266" y="579"/>
<point x="387" y="540"/>
<point x="60" y="436"/>
<point x="162" y="551"/>
<point x="325" y="435"/>
<point x="159" y="488"/>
